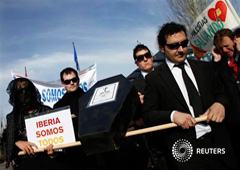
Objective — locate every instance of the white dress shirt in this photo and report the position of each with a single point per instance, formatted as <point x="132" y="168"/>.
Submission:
<point x="144" y="73"/>
<point x="201" y="129"/>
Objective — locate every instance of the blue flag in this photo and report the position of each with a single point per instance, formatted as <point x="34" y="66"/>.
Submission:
<point x="75" y="58"/>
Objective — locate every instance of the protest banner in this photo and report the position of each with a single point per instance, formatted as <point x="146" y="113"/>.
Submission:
<point x="218" y="15"/>
<point x="52" y="92"/>
<point x="54" y="128"/>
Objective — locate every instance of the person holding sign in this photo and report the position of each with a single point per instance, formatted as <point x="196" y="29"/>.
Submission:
<point x="226" y="53"/>
<point x="26" y="101"/>
<point x="179" y="90"/>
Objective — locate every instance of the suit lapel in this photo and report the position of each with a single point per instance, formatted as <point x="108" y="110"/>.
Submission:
<point x="200" y="79"/>
<point x="167" y="76"/>
<point x="140" y="84"/>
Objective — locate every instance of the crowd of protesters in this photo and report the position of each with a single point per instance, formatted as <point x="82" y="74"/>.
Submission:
<point x="177" y="91"/>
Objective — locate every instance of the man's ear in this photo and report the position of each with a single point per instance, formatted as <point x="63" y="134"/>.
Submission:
<point x="236" y="38"/>
<point x="162" y="49"/>
<point x="136" y="63"/>
<point x="63" y="85"/>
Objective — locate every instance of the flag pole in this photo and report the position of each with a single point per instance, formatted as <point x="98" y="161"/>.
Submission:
<point x="76" y="59"/>
<point x="25" y="71"/>
<point x="12" y="74"/>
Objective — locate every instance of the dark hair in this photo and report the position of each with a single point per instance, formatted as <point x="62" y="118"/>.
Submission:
<point x="218" y="37"/>
<point x="169" y="29"/>
<point x="139" y="47"/>
<point x="236" y="32"/>
<point x="68" y="70"/>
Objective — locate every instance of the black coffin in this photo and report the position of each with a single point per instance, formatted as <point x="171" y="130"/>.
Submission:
<point x="105" y="112"/>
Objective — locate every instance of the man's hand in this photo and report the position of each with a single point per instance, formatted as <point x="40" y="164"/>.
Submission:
<point x="215" y="113"/>
<point x="216" y="56"/>
<point x="184" y="120"/>
<point x="26" y="147"/>
<point x="237" y="42"/>
<point x="49" y="149"/>
<point x="141" y="97"/>
<point x="139" y="122"/>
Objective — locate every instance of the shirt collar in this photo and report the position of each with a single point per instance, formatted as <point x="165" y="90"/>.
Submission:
<point x="144" y="73"/>
<point x="171" y="64"/>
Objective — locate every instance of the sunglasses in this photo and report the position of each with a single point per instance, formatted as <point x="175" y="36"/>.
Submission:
<point x="141" y="57"/>
<point x="175" y="46"/>
<point x="74" y="80"/>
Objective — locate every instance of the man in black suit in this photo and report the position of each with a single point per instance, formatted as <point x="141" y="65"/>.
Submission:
<point x="144" y="60"/>
<point x="179" y="90"/>
<point x="70" y="81"/>
<point x="226" y="55"/>
<point x="133" y="152"/>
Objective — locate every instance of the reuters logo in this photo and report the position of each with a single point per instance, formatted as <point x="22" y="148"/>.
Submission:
<point x="182" y="150"/>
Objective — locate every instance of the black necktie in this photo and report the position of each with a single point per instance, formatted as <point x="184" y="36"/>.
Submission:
<point x="193" y="95"/>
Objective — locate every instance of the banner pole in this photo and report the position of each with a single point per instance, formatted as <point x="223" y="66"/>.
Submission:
<point x="128" y="134"/>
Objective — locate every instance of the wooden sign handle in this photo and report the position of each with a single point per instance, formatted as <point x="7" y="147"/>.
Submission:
<point x="130" y="133"/>
<point x="160" y="127"/>
<point x="78" y="143"/>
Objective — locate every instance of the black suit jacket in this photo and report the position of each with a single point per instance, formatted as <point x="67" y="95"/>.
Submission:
<point x="232" y="88"/>
<point x="140" y="84"/>
<point x="72" y="100"/>
<point x="162" y="96"/>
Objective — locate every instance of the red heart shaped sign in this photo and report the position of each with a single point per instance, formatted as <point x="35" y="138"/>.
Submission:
<point x="220" y="11"/>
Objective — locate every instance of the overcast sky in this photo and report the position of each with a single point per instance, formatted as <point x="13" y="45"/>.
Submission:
<point x="38" y="34"/>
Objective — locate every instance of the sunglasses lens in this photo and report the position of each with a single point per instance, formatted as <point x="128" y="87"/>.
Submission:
<point x="173" y="46"/>
<point x="184" y="43"/>
<point x="74" y="80"/>
<point x="141" y="57"/>
<point x="66" y="81"/>
<point x="177" y="45"/>
<point x="148" y="55"/>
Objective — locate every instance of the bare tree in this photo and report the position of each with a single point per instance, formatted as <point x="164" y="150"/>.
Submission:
<point x="186" y="11"/>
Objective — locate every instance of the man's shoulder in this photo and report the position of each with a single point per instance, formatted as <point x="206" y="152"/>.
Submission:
<point x="44" y="108"/>
<point x="138" y="79"/>
<point x="10" y="115"/>
<point x="81" y="91"/>
<point x="68" y="98"/>
<point x="60" y="103"/>
<point x="156" y="71"/>
<point x="198" y="63"/>
<point x="139" y="83"/>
